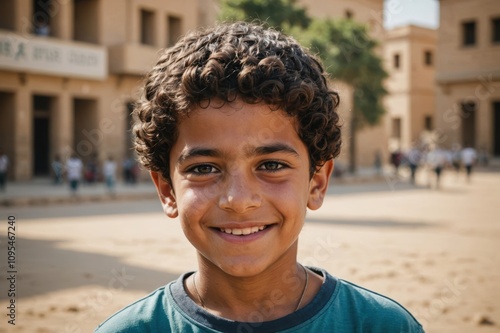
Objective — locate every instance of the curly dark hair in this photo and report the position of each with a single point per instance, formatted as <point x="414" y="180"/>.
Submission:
<point x="232" y="61"/>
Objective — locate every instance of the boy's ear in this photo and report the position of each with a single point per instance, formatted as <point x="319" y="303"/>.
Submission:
<point x="318" y="185"/>
<point x="166" y="194"/>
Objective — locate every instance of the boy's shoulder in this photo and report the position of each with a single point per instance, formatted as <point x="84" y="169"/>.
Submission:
<point x="373" y="310"/>
<point x="145" y="314"/>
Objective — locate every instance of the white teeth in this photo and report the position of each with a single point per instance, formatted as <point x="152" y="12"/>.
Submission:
<point x="244" y="231"/>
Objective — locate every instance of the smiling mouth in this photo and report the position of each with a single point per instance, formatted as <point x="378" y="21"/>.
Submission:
<point x="243" y="231"/>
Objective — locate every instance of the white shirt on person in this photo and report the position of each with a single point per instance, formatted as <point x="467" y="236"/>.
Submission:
<point x="468" y="156"/>
<point x="4" y="163"/>
<point x="109" y="168"/>
<point x="74" y="168"/>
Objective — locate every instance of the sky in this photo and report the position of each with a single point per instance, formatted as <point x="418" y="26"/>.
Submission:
<point x="418" y="12"/>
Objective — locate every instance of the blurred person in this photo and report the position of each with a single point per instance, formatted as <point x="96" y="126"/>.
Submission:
<point x="91" y="169"/>
<point x="414" y="157"/>
<point x="396" y="160"/>
<point x="456" y="158"/>
<point x="42" y="27"/>
<point x="109" y="172"/>
<point x="57" y="169"/>
<point x="437" y="159"/>
<point x="377" y="163"/>
<point x="74" y="168"/>
<point x="128" y="170"/>
<point x="469" y="158"/>
<point x="4" y="168"/>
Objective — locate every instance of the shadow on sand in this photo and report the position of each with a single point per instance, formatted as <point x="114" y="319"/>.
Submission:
<point x="44" y="267"/>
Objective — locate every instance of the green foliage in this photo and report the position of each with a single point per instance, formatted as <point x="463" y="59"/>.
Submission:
<point x="276" y="13"/>
<point x="348" y="53"/>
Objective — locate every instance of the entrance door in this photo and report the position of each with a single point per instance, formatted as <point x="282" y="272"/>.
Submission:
<point x="41" y="146"/>
<point x="469" y="124"/>
<point x="41" y="135"/>
<point x="496" y="128"/>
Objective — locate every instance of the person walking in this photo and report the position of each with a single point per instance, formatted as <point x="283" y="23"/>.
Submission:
<point x="469" y="157"/>
<point x="4" y="166"/>
<point x="437" y="160"/>
<point x="414" y="156"/>
<point x="57" y="168"/>
<point x="74" y="167"/>
<point x="396" y="159"/>
<point x="109" y="172"/>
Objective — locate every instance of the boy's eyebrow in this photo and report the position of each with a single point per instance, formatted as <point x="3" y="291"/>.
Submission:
<point x="249" y="151"/>
<point x="194" y="152"/>
<point x="273" y="148"/>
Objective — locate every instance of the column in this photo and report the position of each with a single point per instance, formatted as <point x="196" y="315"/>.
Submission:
<point x="23" y="135"/>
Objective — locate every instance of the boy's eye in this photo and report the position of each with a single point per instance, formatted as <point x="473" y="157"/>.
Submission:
<point x="203" y="169"/>
<point x="272" y="166"/>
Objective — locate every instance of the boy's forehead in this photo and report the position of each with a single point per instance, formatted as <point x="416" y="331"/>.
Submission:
<point x="266" y="116"/>
<point x="249" y="128"/>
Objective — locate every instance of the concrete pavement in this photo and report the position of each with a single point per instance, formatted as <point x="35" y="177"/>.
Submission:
<point x="44" y="192"/>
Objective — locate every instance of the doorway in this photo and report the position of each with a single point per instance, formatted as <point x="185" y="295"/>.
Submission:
<point x="496" y="129"/>
<point x="42" y="106"/>
<point x="469" y="124"/>
<point x="7" y="111"/>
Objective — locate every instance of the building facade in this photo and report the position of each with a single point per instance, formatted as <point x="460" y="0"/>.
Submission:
<point x="70" y="71"/>
<point x="409" y="56"/>
<point x="468" y="75"/>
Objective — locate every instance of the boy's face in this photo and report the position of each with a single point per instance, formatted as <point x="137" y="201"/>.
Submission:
<point x="241" y="186"/>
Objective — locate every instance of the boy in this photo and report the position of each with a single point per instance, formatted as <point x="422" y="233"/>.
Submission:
<point x="239" y="131"/>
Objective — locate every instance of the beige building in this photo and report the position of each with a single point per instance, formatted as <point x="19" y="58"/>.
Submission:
<point x="409" y="55"/>
<point x="70" y="69"/>
<point x="371" y="139"/>
<point x="468" y="75"/>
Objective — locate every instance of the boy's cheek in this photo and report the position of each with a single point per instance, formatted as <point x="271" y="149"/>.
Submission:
<point x="194" y="200"/>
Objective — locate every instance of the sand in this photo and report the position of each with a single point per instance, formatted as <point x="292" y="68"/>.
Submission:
<point x="435" y="251"/>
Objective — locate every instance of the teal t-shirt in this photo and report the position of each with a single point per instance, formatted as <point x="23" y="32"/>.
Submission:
<point x="339" y="306"/>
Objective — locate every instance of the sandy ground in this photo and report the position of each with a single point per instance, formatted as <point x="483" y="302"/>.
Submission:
<point x="435" y="251"/>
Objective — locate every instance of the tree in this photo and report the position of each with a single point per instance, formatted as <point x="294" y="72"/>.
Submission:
<point x="276" y="13"/>
<point x="344" y="46"/>
<point x="348" y="53"/>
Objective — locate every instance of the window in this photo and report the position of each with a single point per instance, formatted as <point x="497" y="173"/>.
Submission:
<point x="8" y="15"/>
<point x="428" y="58"/>
<point x="147" y="27"/>
<point x="174" y="25"/>
<point x="42" y="18"/>
<point x="85" y="22"/>
<point x="396" y="128"/>
<point x="495" y="30"/>
<point x="397" y="60"/>
<point x="469" y="33"/>
<point x="428" y="123"/>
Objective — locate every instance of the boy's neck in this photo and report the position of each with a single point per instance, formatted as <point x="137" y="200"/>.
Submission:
<point x="269" y="295"/>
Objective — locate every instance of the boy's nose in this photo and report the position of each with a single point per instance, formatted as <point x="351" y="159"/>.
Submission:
<point x="240" y="194"/>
